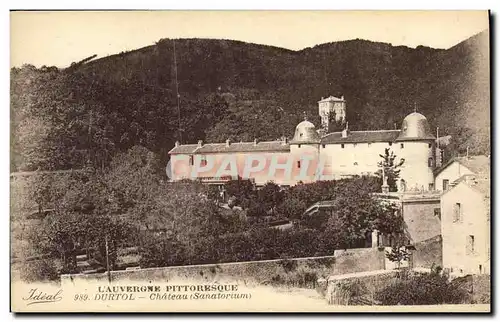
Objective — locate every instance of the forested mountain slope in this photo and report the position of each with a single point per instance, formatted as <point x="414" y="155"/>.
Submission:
<point x="62" y="118"/>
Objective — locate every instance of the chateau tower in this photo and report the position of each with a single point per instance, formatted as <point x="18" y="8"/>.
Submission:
<point x="327" y="107"/>
<point x="416" y="145"/>
<point x="305" y="145"/>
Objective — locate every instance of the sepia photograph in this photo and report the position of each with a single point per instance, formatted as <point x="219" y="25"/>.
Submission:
<point x="250" y="161"/>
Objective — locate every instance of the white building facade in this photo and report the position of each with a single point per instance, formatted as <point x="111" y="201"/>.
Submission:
<point x="457" y="167"/>
<point x="329" y="157"/>
<point x="465" y="226"/>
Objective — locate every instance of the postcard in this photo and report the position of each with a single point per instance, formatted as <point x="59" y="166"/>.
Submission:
<point x="250" y="161"/>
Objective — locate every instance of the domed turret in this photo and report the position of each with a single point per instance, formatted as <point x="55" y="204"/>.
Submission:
<point x="415" y="127"/>
<point x="305" y="132"/>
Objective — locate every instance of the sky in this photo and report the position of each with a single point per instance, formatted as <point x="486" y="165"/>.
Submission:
<point x="59" y="38"/>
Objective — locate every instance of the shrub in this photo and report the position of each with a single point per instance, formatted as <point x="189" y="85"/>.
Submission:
<point x="421" y="289"/>
<point x="351" y="289"/>
<point x="42" y="270"/>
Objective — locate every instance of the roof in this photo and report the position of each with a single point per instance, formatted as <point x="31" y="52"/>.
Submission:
<point x="320" y="204"/>
<point x="275" y="146"/>
<point x="29" y="173"/>
<point x="481" y="184"/>
<point x="415" y="128"/>
<point x="332" y="98"/>
<point x="305" y="132"/>
<point x="479" y="164"/>
<point x="410" y="196"/>
<point x="184" y="149"/>
<point x="361" y="137"/>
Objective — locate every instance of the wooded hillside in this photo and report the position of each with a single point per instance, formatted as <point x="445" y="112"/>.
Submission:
<point x="61" y="118"/>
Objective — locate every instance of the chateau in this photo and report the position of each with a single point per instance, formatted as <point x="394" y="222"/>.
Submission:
<point x="315" y="154"/>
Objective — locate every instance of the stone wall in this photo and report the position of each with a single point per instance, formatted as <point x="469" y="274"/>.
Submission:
<point x="357" y="288"/>
<point x="301" y="272"/>
<point x="428" y="252"/>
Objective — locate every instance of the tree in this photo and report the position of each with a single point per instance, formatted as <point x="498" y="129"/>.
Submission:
<point x="397" y="255"/>
<point x="292" y="207"/>
<point x="355" y="213"/>
<point x="270" y="196"/>
<point x="242" y="190"/>
<point x="390" y="168"/>
<point x="335" y="125"/>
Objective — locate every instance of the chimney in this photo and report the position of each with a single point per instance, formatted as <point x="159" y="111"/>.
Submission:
<point x="177" y="144"/>
<point x="228" y="142"/>
<point x="200" y="143"/>
<point x="255" y="142"/>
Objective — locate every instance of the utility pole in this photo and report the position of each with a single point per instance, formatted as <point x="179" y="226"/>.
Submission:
<point x="90" y="137"/>
<point x="178" y="96"/>
<point x="107" y="260"/>
<point x="437" y="136"/>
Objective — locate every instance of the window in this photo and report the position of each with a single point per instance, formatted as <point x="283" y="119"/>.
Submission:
<point x="469" y="250"/>
<point x="430" y="162"/>
<point x="431" y="186"/>
<point x="354" y="145"/>
<point x="402" y="146"/>
<point x="323" y="146"/>
<point x="446" y="182"/>
<point x="437" y="212"/>
<point x="369" y="144"/>
<point x="203" y="161"/>
<point x="298" y="164"/>
<point x="430" y="145"/>
<point x="355" y="163"/>
<point x="457" y="212"/>
<point x="191" y="160"/>
<point x="299" y="146"/>
<point x="342" y="145"/>
<point x="300" y="135"/>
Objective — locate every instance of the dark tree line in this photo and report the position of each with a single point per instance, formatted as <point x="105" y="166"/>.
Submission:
<point x="128" y="204"/>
